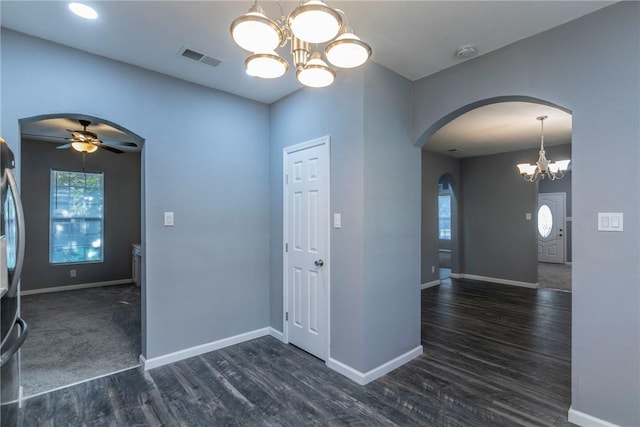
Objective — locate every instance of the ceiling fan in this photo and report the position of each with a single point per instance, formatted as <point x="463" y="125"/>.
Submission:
<point x="86" y="141"/>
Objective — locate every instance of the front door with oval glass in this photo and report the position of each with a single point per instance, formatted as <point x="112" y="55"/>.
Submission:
<point x="550" y="227"/>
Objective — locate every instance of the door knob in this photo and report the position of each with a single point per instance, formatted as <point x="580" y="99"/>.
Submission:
<point x="319" y="263"/>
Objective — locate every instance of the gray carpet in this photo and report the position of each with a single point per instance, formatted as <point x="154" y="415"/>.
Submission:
<point x="77" y="335"/>
<point x="554" y="276"/>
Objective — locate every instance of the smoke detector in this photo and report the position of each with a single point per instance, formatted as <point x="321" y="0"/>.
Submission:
<point x="466" y="51"/>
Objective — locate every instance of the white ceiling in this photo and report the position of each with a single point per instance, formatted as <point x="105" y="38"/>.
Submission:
<point x="502" y="127"/>
<point x="412" y="38"/>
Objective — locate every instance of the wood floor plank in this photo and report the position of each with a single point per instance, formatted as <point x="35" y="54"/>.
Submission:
<point x="494" y="355"/>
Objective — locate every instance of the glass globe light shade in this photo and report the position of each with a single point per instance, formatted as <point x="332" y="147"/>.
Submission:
<point x="347" y="51"/>
<point x="84" y="147"/>
<point x="526" y="168"/>
<point x="266" y="65"/>
<point x="255" y="32"/>
<point x="315" y="22"/>
<point x="316" y="73"/>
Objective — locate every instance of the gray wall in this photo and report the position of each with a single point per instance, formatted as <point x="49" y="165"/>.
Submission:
<point x="391" y="219"/>
<point x="121" y="214"/>
<point x="498" y="241"/>
<point x="204" y="158"/>
<point x="374" y="256"/>
<point x="435" y="165"/>
<point x="590" y="66"/>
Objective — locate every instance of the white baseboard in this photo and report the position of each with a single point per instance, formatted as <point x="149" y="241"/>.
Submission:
<point x="76" y="287"/>
<point x="430" y="284"/>
<point x="586" y="420"/>
<point x="154" y="362"/>
<point x="495" y="280"/>
<point x="363" y="378"/>
<point x="276" y="334"/>
<point x="455" y="275"/>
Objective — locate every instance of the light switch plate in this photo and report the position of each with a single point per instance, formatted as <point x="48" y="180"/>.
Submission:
<point x="527" y="216"/>
<point x="610" y="221"/>
<point x="337" y="220"/>
<point x="168" y="219"/>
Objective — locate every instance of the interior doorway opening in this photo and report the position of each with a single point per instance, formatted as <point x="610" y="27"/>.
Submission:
<point x="81" y="186"/>
<point x="445" y="226"/>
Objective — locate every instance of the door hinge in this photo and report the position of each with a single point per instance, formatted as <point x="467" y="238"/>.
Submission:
<point x="286" y="247"/>
<point x="286" y="179"/>
<point x="286" y="316"/>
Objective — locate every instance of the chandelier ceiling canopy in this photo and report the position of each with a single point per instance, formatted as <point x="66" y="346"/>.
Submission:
<point x="543" y="167"/>
<point x="312" y="22"/>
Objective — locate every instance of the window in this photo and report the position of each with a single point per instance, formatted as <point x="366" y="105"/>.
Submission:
<point x="545" y="221"/>
<point x="76" y="213"/>
<point x="444" y="216"/>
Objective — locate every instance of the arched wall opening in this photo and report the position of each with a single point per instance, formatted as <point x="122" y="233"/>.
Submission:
<point x="447" y="226"/>
<point x="478" y="147"/>
<point x="423" y="139"/>
<point x="108" y="220"/>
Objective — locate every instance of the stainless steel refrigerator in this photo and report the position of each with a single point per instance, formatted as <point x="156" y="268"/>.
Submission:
<point x="12" y="328"/>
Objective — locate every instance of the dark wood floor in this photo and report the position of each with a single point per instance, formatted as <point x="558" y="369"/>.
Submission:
<point x="494" y="355"/>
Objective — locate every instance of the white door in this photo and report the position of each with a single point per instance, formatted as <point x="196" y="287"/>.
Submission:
<point x="551" y="223"/>
<point x="306" y="237"/>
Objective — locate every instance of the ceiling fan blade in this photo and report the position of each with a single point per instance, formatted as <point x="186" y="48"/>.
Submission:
<point x="63" y="146"/>
<point x="113" y="150"/>
<point x="121" y="143"/>
<point x="31" y="135"/>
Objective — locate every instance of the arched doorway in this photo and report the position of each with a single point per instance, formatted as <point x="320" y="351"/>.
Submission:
<point x="82" y="214"/>
<point x="446" y="225"/>
<point x="483" y="142"/>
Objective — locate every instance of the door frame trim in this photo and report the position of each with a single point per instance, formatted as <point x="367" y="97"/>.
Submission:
<point x="326" y="142"/>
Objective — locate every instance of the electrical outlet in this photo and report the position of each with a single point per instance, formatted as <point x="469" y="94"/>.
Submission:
<point x="433" y="268"/>
<point x="72" y="273"/>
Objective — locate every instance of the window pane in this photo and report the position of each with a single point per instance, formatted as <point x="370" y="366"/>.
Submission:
<point x="444" y="217"/>
<point x="545" y="221"/>
<point x="77" y="205"/>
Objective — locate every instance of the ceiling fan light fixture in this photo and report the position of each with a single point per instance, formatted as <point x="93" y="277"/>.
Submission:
<point x="347" y="51"/>
<point x="315" y="22"/>
<point x="266" y="65"/>
<point x="83" y="147"/>
<point x="316" y="73"/>
<point x="255" y="32"/>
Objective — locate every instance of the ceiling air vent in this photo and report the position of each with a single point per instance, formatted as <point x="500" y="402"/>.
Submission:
<point x="185" y="52"/>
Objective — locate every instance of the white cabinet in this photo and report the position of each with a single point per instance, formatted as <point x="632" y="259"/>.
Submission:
<point x="136" y="263"/>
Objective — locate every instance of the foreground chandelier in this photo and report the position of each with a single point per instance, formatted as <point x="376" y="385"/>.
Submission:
<point x="543" y="167"/>
<point x="311" y="22"/>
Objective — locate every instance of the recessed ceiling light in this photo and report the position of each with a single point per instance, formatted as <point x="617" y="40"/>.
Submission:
<point x="83" y="10"/>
